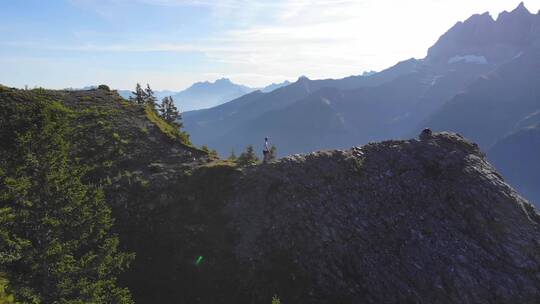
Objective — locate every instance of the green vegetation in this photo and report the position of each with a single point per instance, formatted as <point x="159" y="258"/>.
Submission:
<point x="276" y="300"/>
<point x="248" y="157"/>
<point x="211" y="152"/>
<point x="69" y="161"/>
<point x="221" y="163"/>
<point x="56" y="244"/>
<point x="169" y="112"/>
<point x="144" y="97"/>
<point x="169" y="129"/>
<point x="138" y="95"/>
<point x="273" y="153"/>
<point x="104" y="87"/>
<point x="5" y="296"/>
<point x="166" y="116"/>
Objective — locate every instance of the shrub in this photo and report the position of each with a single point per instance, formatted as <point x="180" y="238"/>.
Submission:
<point x="104" y="87"/>
<point x="168" y="129"/>
<point x="248" y="157"/>
<point x="5" y="296"/>
<point x="211" y="152"/>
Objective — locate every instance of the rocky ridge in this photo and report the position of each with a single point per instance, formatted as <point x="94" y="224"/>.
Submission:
<point x="421" y="220"/>
<point x="399" y="221"/>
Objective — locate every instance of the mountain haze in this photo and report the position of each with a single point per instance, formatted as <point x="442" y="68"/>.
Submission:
<point x="206" y="94"/>
<point x="480" y="79"/>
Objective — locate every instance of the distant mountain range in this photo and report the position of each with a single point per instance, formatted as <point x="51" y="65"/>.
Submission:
<point x="202" y="95"/>
<point x="481" y="78"/>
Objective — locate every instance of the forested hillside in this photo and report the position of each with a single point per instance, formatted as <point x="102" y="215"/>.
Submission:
<point x="56" y="235"/>
<point x="60" y="151"/>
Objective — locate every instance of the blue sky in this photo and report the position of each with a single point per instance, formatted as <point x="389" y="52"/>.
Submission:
<point x="173" y="43"/>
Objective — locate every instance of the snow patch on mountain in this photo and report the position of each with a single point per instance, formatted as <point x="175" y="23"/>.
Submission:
<point x="468" y="59"/>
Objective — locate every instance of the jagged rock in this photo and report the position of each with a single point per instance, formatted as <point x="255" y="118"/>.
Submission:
<point x="426" y="134"/>
<point x="413" y="221"/>
<point x="425" y="221"/>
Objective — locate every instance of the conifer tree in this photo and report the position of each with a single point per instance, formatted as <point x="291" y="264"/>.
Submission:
<point x="138" y="96"/>
<point x="149" y="98"/>
<point x="169" y="112"/>
<point x="248" y="157"/>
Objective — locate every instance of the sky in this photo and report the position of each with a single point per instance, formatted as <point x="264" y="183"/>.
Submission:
<point x="171" y="44"/>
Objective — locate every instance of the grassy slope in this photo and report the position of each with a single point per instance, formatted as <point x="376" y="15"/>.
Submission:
<point x="126" y="150"/>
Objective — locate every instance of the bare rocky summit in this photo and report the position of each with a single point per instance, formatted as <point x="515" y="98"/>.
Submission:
<point x="413" y="221"/>
<point x="416" y="221"/>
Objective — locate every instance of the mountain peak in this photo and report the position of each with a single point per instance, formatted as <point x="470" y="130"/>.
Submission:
<point x="217" y="81"/>
<point x="275" y="86"/>
<point x="476" y="18"/>
<point x="481" y="35"/>
<point x="519" y="11"/>
<point x="521" y="6"/>
<point x="223" y="80"/>
<point x="302" y="78"/>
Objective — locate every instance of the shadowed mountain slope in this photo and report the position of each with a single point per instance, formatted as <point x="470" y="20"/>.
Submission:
<point x="495" y="40"/>
<point x="211" y="126"/>
<point x="516" y="156"/>
<point x="494" y="105"/>
<point x="480" y="79"/>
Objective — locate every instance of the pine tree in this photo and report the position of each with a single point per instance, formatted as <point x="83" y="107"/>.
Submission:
<point x="138" y="96"/>
<point x="248" y="157"/>
<point x="169" y="112"/>
<point x="149" y="98"/>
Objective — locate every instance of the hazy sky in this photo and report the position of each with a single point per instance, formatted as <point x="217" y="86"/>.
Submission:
<point x="173" y="43"/>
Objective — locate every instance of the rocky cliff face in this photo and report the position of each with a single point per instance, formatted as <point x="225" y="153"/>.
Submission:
<point x="400" y="221"/>
<point x="419" y="221"/>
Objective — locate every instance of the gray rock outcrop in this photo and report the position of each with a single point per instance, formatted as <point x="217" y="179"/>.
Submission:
<point x="394" y="222"/>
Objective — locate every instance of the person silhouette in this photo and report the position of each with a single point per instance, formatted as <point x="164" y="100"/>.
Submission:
<point x="266" y="151"/>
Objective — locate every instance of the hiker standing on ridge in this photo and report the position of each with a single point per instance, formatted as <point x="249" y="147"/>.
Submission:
<point x="266" y="151"/>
